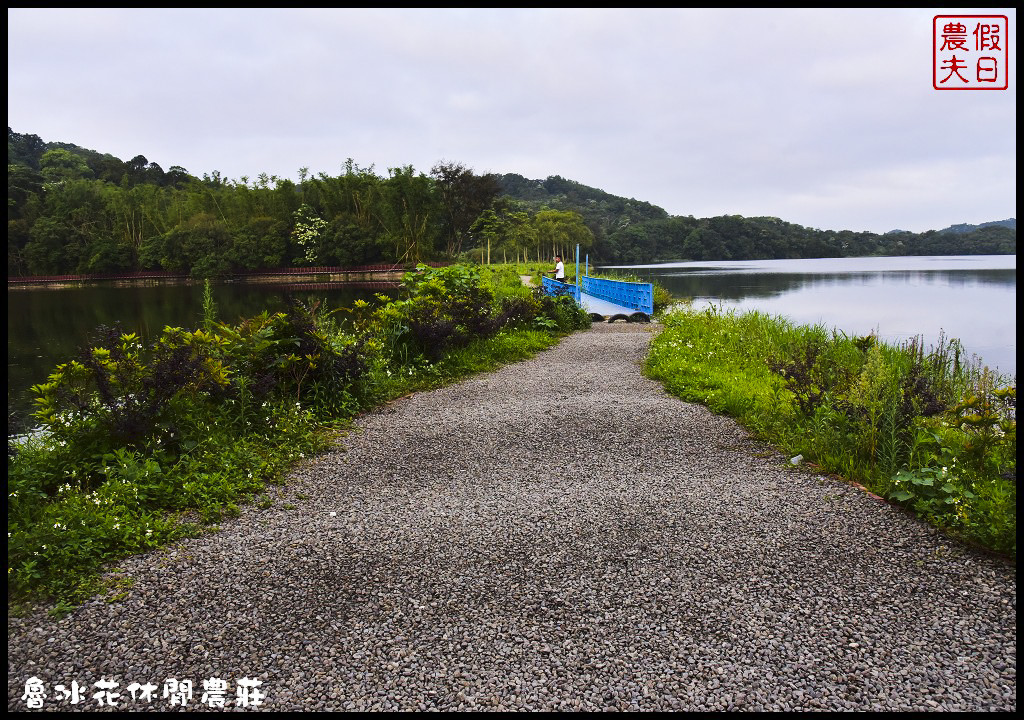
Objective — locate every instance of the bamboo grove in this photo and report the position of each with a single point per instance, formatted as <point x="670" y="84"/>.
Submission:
<point x="64" y="220"/>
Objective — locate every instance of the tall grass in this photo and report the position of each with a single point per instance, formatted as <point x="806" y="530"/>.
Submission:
<point x="919" y="426"/>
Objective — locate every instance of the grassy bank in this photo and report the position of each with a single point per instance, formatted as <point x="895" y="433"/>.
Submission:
<point x="137" y="438"/>
<point x="918" y="426"/>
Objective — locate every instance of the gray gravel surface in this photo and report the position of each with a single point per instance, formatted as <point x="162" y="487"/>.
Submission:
<point x="558" y="535"/>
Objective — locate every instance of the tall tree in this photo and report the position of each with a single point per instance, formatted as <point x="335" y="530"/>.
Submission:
<point x="24" y="149"/>
<point x="505" y="226"/>
<point x="561" y="230"/>
<point x="407" y="212"/>
<point x="60" y="165"/>
<point x="463" y="197"/>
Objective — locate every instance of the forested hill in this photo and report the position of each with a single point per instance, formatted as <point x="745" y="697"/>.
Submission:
<point x="74" y="210"/>
<point x="965" y="228"/>
<point x="629" y="231"/>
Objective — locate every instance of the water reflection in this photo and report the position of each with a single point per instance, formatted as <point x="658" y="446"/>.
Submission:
<point x="734" y="285"/>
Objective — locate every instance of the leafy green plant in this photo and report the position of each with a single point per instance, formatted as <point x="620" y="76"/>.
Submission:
<point x="119" y="394"/>
<point x="563" y="310"/>
<point x="809" y="369"/>
<point x="987" y="417"/>
<point x="209" y="306"/>
<point x="929" y="491"/>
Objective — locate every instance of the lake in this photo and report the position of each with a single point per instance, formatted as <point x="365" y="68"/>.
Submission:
<point x="972" y="298"/>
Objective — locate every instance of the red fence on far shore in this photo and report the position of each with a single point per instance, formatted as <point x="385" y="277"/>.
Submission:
<point x="171" y="275"/>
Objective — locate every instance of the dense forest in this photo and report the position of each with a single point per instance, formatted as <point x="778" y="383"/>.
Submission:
<point x="75" y="211"/>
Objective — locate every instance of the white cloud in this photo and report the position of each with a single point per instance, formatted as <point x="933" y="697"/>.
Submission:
<point x="823" y="117"/>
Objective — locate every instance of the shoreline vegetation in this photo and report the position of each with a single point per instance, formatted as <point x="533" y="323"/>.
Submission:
<point x="144" y="444"/>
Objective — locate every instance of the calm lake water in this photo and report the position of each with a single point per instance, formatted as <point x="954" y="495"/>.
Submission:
<point x="972" y="298"/>
<point x="46" y="327"/>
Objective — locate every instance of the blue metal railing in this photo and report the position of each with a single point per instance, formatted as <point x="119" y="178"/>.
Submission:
<point x="638" y="296"/>
<point x="555" y="288"/>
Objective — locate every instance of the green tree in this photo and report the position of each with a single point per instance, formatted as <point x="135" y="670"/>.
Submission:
<point x="505" y="227"/>
<point x="201" y="246"/>
<point x="24" y="149"/>
<point x="78" y="207"/>
<point x="60" y="165"/>
<point x="350" y="243"/>
<point x="350" y="203"/>
<point x="106" y="255"/>
<point x="462" y="196"/>
<point x="407" y="212"/>
<point x="135" y="214"/>
<point x="561" y="230"/>
<point x="704" y="243"/>
<point x="47" y="252"/>
<point x="262" y="243"/>
<point x="308" y="233"/>
<point x="22" y="183"/>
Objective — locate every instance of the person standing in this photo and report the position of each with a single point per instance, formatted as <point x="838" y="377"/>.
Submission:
<point x="559" y="269"/>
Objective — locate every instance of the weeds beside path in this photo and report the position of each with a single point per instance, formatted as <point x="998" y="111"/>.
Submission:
<point x="559" y="534"/>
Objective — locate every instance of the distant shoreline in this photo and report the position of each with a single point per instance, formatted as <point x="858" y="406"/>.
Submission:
<point x="387" y="275"/>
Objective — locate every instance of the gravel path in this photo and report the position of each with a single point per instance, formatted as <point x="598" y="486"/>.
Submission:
<point x="558" y="535"/>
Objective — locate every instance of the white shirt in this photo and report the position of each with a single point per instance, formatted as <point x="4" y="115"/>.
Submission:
<point x="559" y="270"/>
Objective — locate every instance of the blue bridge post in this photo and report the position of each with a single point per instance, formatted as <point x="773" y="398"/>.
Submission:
<point x="577" y="270"/>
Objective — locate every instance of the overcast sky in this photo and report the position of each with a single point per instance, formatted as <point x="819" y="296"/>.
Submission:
<point x="826" y="118"/>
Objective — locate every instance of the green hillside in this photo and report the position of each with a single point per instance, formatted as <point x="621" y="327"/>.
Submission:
<point x="76" y="210"/>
